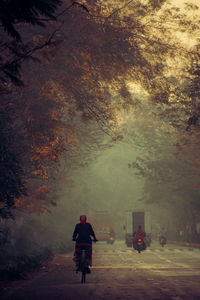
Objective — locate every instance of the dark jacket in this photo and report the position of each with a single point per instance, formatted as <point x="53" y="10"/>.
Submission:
<point x="83" y="232"/>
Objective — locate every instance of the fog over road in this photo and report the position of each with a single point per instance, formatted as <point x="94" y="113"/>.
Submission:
<point x="118" y="272"/>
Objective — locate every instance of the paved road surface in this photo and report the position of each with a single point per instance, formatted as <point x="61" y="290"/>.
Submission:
<point x="118" y="272"/>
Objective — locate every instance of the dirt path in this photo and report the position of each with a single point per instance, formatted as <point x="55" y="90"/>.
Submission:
<point x="118" y="273"/>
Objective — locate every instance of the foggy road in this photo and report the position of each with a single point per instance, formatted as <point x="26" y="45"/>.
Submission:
<point x="118" y="272"/>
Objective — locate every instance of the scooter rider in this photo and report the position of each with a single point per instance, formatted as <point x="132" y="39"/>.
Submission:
<point x="140" y="233"/>
<point x="163" y="234"/>
<point x="82" y="236"/>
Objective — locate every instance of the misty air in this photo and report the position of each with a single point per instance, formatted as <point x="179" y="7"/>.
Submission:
<point x="99" y="149"/>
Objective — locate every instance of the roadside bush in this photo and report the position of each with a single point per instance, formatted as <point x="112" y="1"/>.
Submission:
<point x="17" y="267"/>
<point x="64" y="247"/>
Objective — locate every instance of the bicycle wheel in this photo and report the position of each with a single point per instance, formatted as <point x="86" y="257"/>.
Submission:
<point x="83" y="278"/>
<point x="83" y="266"/>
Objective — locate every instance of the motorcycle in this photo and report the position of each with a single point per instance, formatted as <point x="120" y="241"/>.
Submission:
<point x="110" y="240"/>
<point x="140" y="245"/>
<point x="162" y="241"/>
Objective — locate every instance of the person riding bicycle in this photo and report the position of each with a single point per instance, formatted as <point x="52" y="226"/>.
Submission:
<point x="82" y="236"/>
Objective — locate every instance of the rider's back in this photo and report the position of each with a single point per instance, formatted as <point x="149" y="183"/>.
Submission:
<point x="83" y="232"/>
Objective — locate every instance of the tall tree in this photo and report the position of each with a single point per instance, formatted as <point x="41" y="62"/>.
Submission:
<point x="89" y="69"/>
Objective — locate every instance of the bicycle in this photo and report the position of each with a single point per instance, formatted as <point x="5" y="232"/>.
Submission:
<point x="83" y="263"/>
<point x="83" y="266"/>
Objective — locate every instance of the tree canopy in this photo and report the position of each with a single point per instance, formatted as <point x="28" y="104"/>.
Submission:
<point x="79" y="65"/>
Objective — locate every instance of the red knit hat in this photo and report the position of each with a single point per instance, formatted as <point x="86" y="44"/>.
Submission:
<point x="83" y="219"/>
